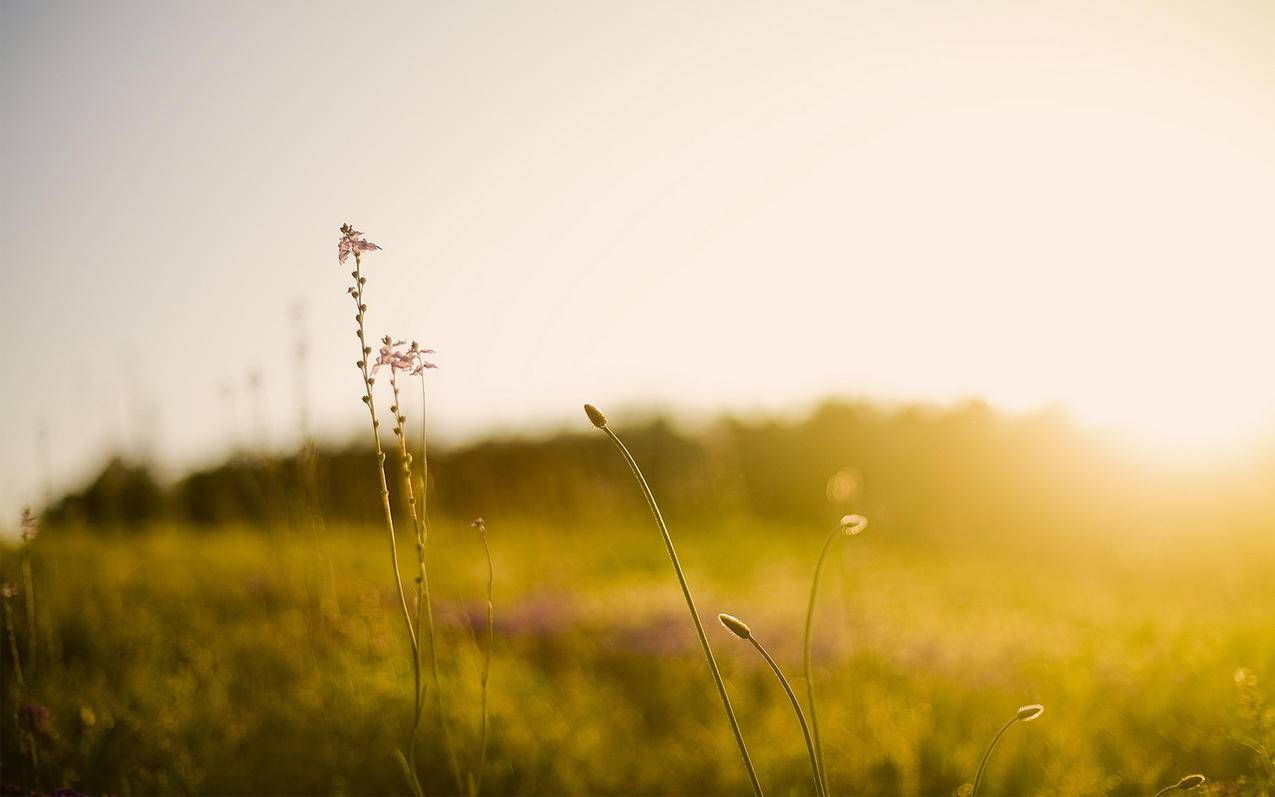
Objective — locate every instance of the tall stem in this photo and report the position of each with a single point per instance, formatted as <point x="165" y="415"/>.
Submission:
<point x="690" y="604"/>
<point x="801" y="718"/>
<point x="13" y="644"/>
<point x="424" y="605"/>
<point x="370" y="400"/>
<point x="978" y="778"/>
<point x="491" y="641"/>
<point x="805" y="657"/>
<point x="28" y="596"/>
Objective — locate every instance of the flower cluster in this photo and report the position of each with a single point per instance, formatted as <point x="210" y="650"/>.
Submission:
<point x="397" y="358"/>
<point x="352" y="241"/>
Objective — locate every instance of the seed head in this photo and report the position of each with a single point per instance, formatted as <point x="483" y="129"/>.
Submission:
<point x="8" y="590"/>
<point x="853" y="524"/>
<point x="595" y="416"/>
<point x="1029" y="713"/>
<point x="735" y="625"/>
<point x="479" y="524"/>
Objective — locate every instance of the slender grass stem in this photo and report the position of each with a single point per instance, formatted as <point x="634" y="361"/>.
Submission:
<point x="487" y="652"/>
<point x="599" y="420"/>
<point x="820" y="788"/>
<point x="28" y="599"/>
<point x="13" y="640"/>
<point x="1025" y="714"/>
<point x="850" y="524"/>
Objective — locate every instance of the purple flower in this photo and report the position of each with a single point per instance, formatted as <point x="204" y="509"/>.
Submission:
<point x="352" y="241"/>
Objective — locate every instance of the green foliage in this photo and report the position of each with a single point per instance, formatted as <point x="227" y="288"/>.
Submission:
<point x="174" y="662"/>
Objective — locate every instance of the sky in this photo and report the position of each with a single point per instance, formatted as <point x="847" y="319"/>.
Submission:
<point x="712" y="205"/>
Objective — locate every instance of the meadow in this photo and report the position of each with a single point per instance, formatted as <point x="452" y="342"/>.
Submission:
<point x="240" y="629"/>
<point x="235" y="661"/>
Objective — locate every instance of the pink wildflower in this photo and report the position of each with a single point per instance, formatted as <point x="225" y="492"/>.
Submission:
<point x="396" y="357"/>
<point x="352" y="241"/>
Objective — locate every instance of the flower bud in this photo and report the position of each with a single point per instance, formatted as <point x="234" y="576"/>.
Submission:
<point x="735" y="625"/>
<point x="595" y="416"/>
<point x="853" y="524"/>
<point x="1029" y="713"/>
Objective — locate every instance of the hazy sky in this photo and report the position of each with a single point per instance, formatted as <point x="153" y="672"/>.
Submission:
<point x="739" y="204"/>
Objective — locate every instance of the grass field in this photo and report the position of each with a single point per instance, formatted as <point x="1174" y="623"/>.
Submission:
<point x="242" y="662"/>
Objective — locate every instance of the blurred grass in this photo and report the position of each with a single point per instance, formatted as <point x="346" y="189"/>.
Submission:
<point x="227" y="663"/>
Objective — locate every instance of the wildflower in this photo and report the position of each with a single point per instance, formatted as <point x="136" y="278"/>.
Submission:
<point x="478" y="523"/>
<point x="411" y="359"/>
<point x="8" y="590"/>
<point x="28" y="525"/>
<point x="352" y="241"/>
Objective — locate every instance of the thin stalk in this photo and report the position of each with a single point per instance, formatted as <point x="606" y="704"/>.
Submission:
<point x="690" y="603"/>
<point x="850" y="524"/>
<point x="424" y="605"/>
<point x="29" y="600"/>
<point x="13" y="643"/>
<point x="491" y="642"/>
<point x="796" y="707"/>
<point x="805" y="656"/>
<point x="978" y="778"/>
<point x="369" y="399"/>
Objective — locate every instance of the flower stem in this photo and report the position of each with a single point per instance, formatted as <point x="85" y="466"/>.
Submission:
<point x="801" y="718"/>
<point x="424" y="604"/>
<point x="491" y="641"/>
<point x="370" y="400"/>
<point x="28" y="584"/>
<point x="805" y="658"/>
<point x="978" y="778"/>
<point x="690" y="604"/>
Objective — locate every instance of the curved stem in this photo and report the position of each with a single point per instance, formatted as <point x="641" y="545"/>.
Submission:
<point x="690" y="604"/>
<point x="978" y="778"/>
<point x="796" y="707"/>
<point x="805" y="657"/>
<point x="1166" y="790"/>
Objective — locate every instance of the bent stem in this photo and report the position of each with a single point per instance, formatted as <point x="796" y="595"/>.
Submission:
<point x="820" y="787"/>
<point x="849" y="525"/>
<point x="805" y="656"/>
<point x="690" y="604"/>
<point x="978" y="778"/>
